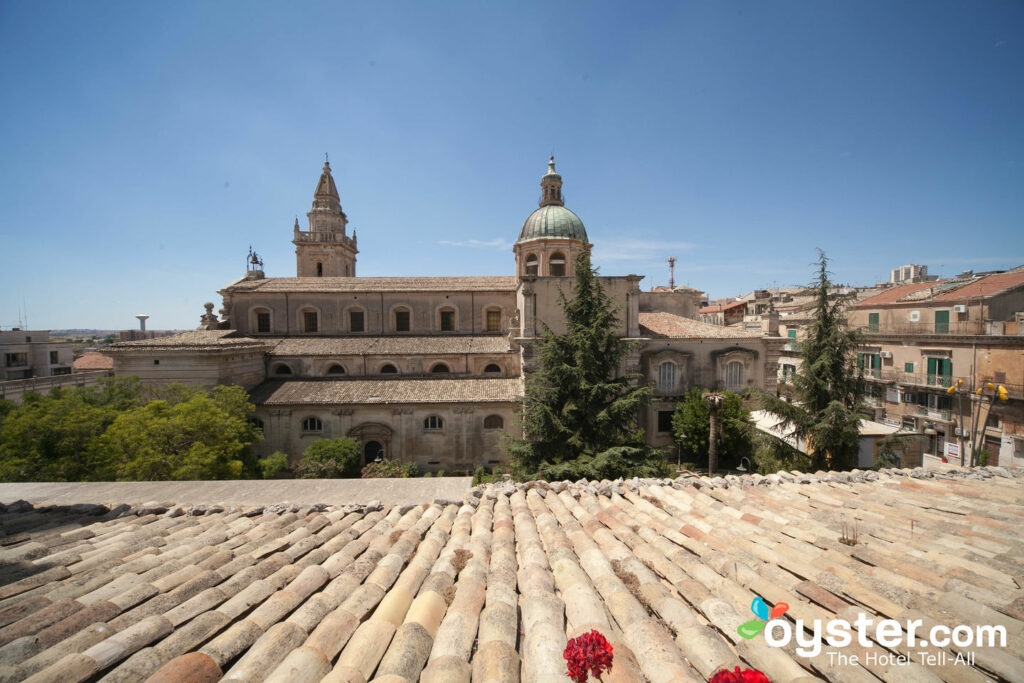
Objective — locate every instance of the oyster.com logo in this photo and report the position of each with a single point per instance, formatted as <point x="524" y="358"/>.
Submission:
<point x="763" y="613"/>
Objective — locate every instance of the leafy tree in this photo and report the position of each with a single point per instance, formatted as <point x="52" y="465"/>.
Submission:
<point x="828" y="397"/>
<point x="691" y="428"/>
<point x="580" y="415"/>
<point x="204" y="437"/>
<point x="275" y="466"/>
<point x="330" y="459"/>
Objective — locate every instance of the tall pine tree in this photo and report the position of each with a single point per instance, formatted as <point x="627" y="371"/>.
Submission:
<point x="580" y="416"/>
<point x="828" y="398"/>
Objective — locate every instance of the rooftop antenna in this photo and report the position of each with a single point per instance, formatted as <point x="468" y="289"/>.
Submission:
<point x="671" y="272"/>
<point x="142" y="321"/>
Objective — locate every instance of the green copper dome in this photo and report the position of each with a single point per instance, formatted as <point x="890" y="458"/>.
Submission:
<point x="553" y="222"/>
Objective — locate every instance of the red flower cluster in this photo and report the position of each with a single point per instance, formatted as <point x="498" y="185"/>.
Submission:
<point x="587" y="654"/>
<point x="737" y="676"/>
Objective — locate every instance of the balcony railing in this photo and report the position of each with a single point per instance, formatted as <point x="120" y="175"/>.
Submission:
<point x="922" y="379"/>
<point x="966" y="327"/>
<point x="935" y="413"/>
<point x="323" y="237"/>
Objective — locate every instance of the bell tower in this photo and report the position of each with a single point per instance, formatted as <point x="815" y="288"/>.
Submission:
<point x="325" y="250"/>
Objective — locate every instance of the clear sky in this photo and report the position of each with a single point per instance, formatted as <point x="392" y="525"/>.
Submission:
<point x="145" y="145"/>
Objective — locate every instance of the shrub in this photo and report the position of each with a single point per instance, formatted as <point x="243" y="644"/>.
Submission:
<point x="330" y="459"/>
<point x="275" y="466"/>
<point x="389" y="469"/>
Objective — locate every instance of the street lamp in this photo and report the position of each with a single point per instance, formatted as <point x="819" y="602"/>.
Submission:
<point x="998" y="393"/>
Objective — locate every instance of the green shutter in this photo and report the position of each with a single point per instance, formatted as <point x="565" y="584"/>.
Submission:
<point x="932" y="363"/>
<point x="791" y="334"/>
<point x="873" y="322"/>
<point x="941" y="322"/>
<point x="908" y="367"/>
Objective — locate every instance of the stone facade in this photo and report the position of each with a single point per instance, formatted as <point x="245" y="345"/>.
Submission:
<point x="429" y="369"/>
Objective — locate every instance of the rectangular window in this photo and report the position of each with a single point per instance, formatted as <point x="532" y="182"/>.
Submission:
<point x="53" y="358"/>
<point x="940" y="371"/>
<point x="309" y="321"/>
<point x="941" y="322"/>
<point x="447" y="321"/>
<point x="355" y="321"/>
<point x="16" y="360"/>
<point x="791" y="334"/>
<point x="664" y="421"/>
<point x="872" y="322"/>
<point x="908" y="424"/>
<point x="908" y="367"/>
<point x="61" y="371"/>
<point x="401" y="321"/>
<point x="493" y="321"/>
<point x="263" y="322"/>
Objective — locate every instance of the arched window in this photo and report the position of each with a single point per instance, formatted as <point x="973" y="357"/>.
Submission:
<point x="433" y="422"/>
<point x="532" y="262"/>
<point x="319" y="270"/>
<point x="310" y="320"/>
<point x="402" y="320"/>
<point x="447" y="319"/>
<point x="734" y="375"/>
<point x="493" y="368"/>
<point x="440" y="368"/>
<point x="335" y="369"/>
<point x="556" y="264"/>
<point x="312" y="424"/>
<point x="667" y="376"/>
<point x="388" y="369"/>
<point x="493" y="422"/>
<point x="282" y="369"/>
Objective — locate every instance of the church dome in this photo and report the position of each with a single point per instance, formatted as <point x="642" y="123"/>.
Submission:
<point x="553" y="222"/>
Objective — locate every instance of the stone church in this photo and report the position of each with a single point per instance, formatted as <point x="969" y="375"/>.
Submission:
<point x="431" y="369"/>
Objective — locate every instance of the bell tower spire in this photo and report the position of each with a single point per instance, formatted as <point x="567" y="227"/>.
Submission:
<point x="325" y="250"/>
<point x="551" y="186"/>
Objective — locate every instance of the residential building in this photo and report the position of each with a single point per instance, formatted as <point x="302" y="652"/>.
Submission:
<point x="922" y="339"/>
<point x="910" y="274"/>
<point x="723" y="313"/>
<point x="31" y="353"/>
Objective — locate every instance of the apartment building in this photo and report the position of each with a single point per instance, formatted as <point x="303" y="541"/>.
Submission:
<point x="923" y="338"/>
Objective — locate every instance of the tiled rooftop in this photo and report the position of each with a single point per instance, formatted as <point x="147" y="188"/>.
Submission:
<point x="194" y="340"/>
<point x="489" y="588"/>
<point x="951" y="291"/>
<point x="481" y="283"/>
<point x="345" y="391"/>
<point x="93" y="360"/>
<point x="676" y="326"/>
<point x="342" y="346"/>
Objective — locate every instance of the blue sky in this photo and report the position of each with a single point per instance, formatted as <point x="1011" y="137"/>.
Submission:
<point x="145" y="146"/>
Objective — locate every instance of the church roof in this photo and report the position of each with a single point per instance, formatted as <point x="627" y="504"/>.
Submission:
<point x="325" y="187"/>
<point x="678" y="327"/>
<point x="405" y="346"/>
<point x="194" y="340"/>
<point x="552" y="222"/>
<point x="480" y="283"/>
<point x="371" y="391"/>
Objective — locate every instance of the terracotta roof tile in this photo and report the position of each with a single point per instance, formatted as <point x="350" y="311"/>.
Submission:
<point x="194" y="340"/>
<point x="482" y="283"/>
<point x="342" y="346"/>
<point x="493" y="586"/>
<point x="984" y="287"/>
<point x="347" y="391"/>
<point x="675" y="326"/>
<point x="93" y="360"/>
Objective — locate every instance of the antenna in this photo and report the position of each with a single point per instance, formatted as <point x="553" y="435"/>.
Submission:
<point x="671" y="272"/>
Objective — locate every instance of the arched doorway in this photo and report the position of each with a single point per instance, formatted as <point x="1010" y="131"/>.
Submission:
<point x="375" y="439"/>
<point x="372" y="450"/>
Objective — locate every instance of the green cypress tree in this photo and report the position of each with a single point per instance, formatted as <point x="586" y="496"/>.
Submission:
<point x="580" y="415"/>
<point x="828" y="388"/>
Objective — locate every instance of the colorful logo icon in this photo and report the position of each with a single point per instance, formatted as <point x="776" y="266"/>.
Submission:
<point x="763" y="613"/>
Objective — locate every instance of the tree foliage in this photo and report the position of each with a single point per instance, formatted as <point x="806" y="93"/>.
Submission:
<point x="828" y="387"/>
<point x="580" y="415"/>
<point x="115" y="431"/>
<point x="330" y="459"/>
<point x="691" y="428"/>
<point x="391" y="469"/>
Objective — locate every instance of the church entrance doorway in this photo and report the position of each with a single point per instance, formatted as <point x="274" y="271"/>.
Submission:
<point x="371" y="451"/>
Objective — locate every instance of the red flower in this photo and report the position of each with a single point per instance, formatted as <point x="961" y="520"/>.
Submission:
<point x="588" y="654"/>
<point x="737" y="676"/>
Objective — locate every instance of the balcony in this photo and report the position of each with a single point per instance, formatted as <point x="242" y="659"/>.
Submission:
<point x="935" y="413"/>
<point x="918" y="379"/>
<point x="324" y="238"/>
<point x="966" y="327"/>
